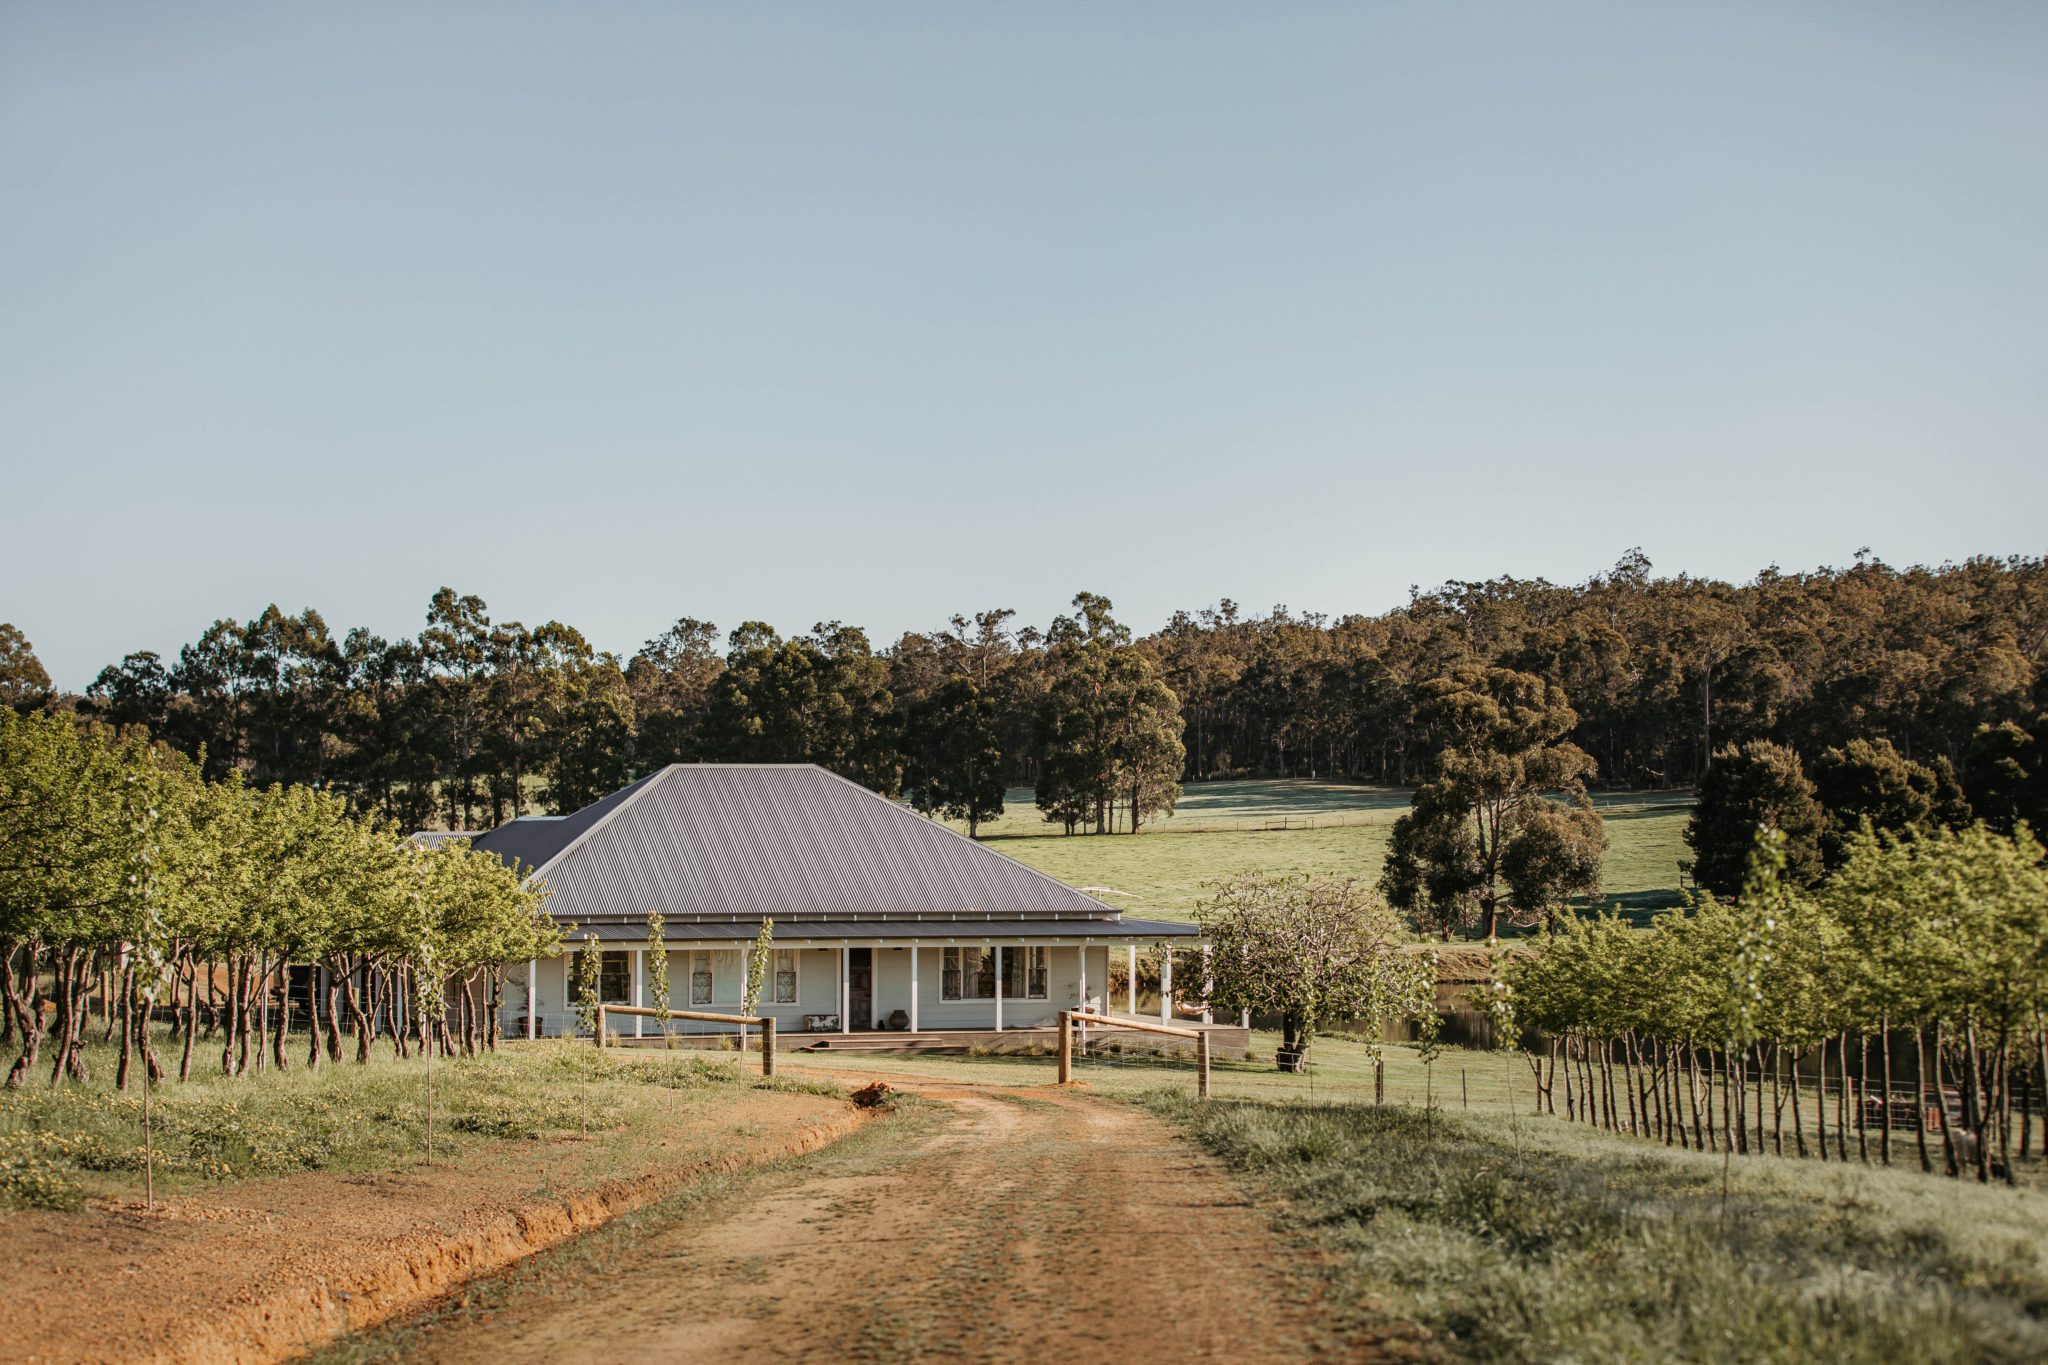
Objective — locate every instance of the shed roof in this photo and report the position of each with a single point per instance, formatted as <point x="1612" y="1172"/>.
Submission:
<point x="789" y="841"/>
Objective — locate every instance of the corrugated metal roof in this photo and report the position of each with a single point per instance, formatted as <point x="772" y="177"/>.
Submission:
<point x="770" y="840"/>
<point x="634" y="930"/>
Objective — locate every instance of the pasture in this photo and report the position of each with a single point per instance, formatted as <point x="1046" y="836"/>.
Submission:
<point x="1324" y="828"/>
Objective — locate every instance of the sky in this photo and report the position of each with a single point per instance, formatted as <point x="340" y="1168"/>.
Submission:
<point x="614" y="313"/>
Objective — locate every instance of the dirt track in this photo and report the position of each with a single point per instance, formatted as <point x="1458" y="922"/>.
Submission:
<point x="1021" y="1225"/>
<point x="257" y="1271"/>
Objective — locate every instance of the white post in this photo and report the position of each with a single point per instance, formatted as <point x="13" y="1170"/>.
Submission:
<point x="999" y="988"/>
<point x="1081" y="953"/>
<point x="845" y="988"/>
<point x="1131" y="974"/>
<point x="532" y="991"/>
<point x="639" y="975"/>
<point x="746" y="964"/>
<point x="1208" y="988"/>
<point x="1244" y="1018"/>
<point x="1165" y="984"/>
<point x="913" y="987"/>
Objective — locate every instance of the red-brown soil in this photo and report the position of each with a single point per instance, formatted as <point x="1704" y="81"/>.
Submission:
<point x="1019" y="1225"/>
<point x="262" y="1270"/>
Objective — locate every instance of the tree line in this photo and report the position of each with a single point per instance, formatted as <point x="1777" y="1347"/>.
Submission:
<point x="228" y="909"/>
<point x="474" y="720"/>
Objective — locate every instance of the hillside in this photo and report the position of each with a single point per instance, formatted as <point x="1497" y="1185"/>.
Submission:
<point x="1325" y="828"/>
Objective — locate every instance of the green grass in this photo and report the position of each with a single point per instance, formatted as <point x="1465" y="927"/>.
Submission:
<point x="60" y="1147"/>
<point x="1323" y="828"/>
<point x="1340" y="1068"/>
<point x="1574" y="1245"/>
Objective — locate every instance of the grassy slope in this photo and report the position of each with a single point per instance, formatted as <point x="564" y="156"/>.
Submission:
<point x="1331" y="829"/>
<point x="1543" y="1241"/>
<point x="60" y="1147"/>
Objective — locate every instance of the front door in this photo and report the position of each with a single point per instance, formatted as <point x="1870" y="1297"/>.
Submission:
<point x="860" y="988"/>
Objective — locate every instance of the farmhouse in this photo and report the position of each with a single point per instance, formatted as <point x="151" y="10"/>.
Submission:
<point x="887" y="926"/>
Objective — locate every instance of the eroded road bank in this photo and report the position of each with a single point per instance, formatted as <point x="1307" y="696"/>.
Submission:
<point x="994" y="1225"/>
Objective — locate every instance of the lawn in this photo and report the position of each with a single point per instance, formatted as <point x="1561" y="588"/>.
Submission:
<point x="1323" y="828"/>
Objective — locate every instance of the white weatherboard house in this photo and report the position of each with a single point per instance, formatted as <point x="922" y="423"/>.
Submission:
<point x="887" y="925"/>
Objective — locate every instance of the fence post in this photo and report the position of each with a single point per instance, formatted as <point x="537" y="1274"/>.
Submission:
<point x="768" y="1046"/>
<point x="1202" y="1058"/>
<point x="1066" y="1048"/>
<point x="600" y="1028"/>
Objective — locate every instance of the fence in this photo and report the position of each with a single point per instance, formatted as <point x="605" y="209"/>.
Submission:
<point x="1070" y="1018"/>
<point x="766" y="1023"/>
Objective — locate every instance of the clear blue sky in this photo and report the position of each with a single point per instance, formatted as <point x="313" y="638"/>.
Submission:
<point x="877" y="312"/>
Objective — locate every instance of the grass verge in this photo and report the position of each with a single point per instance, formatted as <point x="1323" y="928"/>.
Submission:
<point x="1584" y="1247"/>
<point x="62" y="1147"/>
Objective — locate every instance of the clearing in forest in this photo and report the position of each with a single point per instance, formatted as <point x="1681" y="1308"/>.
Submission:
<point x="1330" y="829"/>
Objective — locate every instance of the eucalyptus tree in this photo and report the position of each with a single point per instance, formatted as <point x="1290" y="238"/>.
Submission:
<point x="953" y="755"/>
<point x="1504" y="827"/>
<point x="1752" y="785"/>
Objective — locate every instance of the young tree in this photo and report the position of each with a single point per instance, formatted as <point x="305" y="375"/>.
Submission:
<point x="1312" y="951"/>
<point x="657" y="973"/>
<point x="589" y="981"/>
<point x="758" y="961"/>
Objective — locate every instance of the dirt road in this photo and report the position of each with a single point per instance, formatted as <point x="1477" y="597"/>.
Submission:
<point x="1014" y="1225"/>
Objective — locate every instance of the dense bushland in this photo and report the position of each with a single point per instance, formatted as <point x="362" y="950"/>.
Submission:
<point x="466" y="722"/>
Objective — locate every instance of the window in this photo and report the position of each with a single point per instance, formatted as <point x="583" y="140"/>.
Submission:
<point x="615" y="979"/>
<point x="785" y="976"/>
<point x="970" y="974"/>
<point x="1024" y="973"/>
<point x="700" y="978"/>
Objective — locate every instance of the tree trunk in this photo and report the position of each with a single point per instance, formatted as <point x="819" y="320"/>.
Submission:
<point x="1798" y="1117"/>
<point x="1884" y="1141"/>
<point x="1920" y="1092"/>
<point x="1948" y="1136"/>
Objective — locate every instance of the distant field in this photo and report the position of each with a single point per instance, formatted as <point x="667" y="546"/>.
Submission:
<point x="1325" y="828"/>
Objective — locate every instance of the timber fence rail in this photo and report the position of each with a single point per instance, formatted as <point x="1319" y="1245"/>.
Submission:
<point x="1070" y="1018"/>
<point x="766" y="1023"/>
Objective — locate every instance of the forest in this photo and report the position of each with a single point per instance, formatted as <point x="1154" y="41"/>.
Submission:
<point x="476" y="719"/>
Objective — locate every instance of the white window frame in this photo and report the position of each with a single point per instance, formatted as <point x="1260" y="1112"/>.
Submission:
<point x="710" y="978"/>
<point x="967" y="987"/>
<point x="796" y="976"/>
